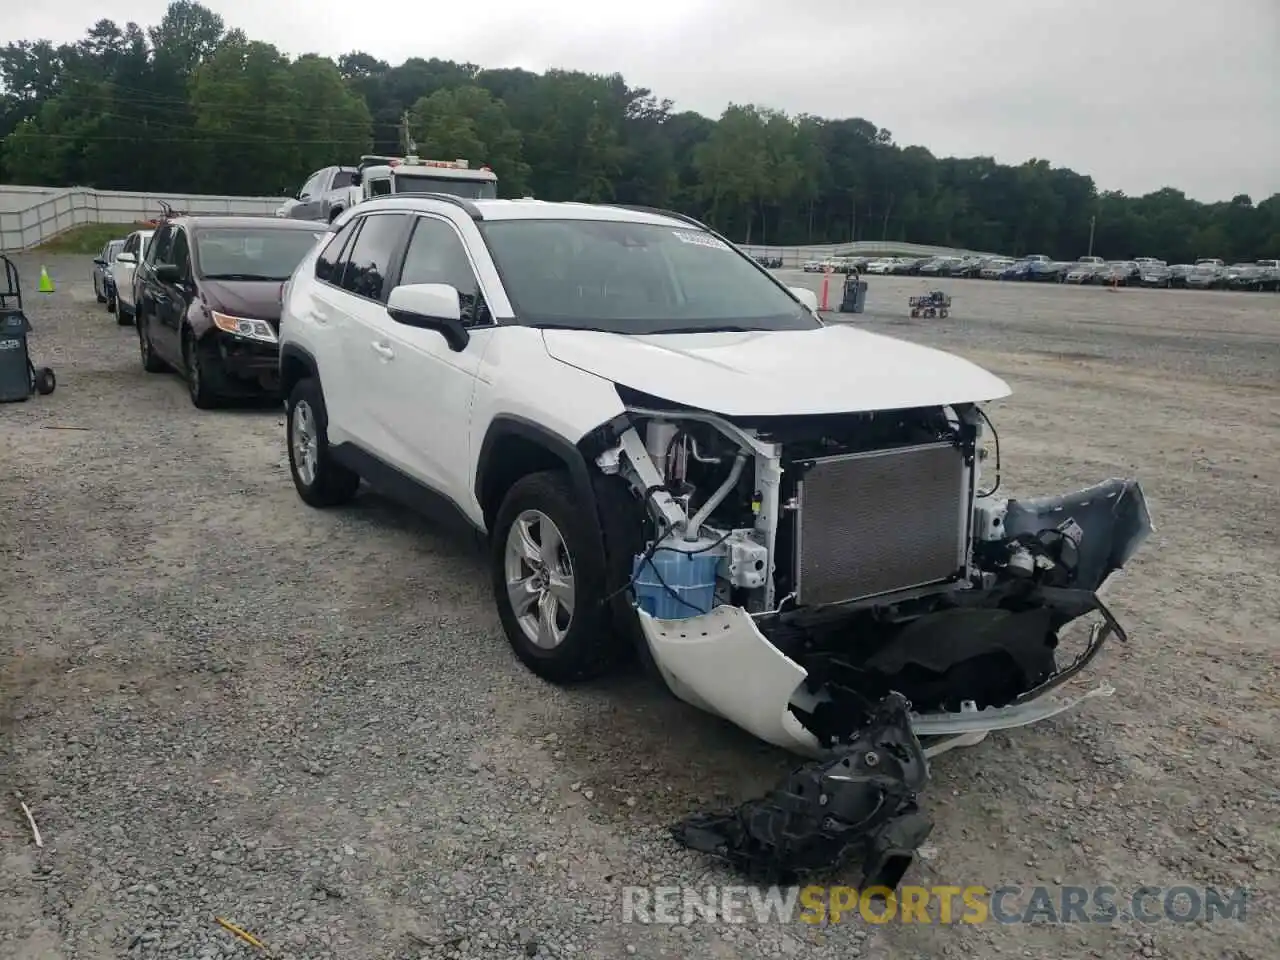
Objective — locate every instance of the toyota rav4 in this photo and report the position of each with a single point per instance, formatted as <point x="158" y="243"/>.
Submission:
<point x="668" y="451"/>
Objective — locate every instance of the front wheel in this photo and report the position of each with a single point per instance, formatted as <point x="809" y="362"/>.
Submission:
<point x="319" y="479"/>
<point x="44" y="381"/>
<point x="203" y="396"/>
<point x="550" y="584"/>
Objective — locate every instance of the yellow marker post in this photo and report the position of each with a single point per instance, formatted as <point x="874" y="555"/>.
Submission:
<point x="46" y="282"/>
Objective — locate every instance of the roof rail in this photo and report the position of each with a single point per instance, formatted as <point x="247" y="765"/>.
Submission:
<point x="683" y="217"/>
<point x="471" y="209"/>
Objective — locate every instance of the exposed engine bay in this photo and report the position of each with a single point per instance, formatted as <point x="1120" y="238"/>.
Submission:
<point x="840" y="585"/>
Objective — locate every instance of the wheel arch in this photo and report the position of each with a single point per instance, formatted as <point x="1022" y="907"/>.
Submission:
<point x="514" y="447"/>
<point x="296" y="364"/>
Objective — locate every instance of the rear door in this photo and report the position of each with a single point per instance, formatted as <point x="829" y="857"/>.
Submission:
<point x="361" y="298"/>
<point x="173" y="298"/>
<point x="155" y="299"/>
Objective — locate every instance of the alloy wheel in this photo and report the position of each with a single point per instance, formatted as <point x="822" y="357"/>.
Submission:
<point x="539" y="578"/>
<point x="302" y="438"/>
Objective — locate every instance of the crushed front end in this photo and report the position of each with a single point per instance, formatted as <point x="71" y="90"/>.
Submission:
<point x="840" y="586"/>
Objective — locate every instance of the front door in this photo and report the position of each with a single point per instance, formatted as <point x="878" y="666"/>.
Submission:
<point x="424" y="409"/>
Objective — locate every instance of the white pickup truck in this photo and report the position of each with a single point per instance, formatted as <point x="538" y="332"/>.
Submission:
<point x="328" y="192"/>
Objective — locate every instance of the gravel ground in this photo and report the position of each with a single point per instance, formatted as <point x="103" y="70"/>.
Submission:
<point x="219" y="703"/>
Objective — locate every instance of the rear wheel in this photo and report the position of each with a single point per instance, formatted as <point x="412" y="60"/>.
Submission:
<point x="150" y="362"/>
<point x="319" y="479"/>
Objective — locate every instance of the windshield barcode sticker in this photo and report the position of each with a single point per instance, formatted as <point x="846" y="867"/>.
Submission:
<point x="700" y="239"/>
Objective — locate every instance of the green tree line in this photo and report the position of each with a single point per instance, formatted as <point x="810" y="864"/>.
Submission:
<point x="189" y="105"/>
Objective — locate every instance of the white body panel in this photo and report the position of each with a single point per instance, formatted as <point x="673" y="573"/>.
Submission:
<point x="834" y="369"/>
<point x="122" y="273"/>
<point x="719" y="662"/>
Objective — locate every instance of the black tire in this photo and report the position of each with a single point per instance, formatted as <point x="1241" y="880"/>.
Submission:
<point x="111" y="307"/>
<point x="96" y="292"/>
<point x="203" y="396"/>
<point x="335" y="214"/>
<point x="591" y="644"/>
<point x="150" y="362"/>
<point x="328" y="483"/>
<point x="45" y="381"/>
<point x="125" y="315"/>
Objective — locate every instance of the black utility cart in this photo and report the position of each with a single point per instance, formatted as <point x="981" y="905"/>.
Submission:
<point x="932" y="304"/>
<point x="19" y="377"/>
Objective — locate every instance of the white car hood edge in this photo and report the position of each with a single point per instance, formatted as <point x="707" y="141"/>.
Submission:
<point x="831" y="369"/>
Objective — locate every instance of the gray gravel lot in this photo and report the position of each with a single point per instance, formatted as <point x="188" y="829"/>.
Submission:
<point x="220" y="703"/>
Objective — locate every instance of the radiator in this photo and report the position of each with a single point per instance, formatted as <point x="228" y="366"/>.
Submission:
<point x="872" y="523"/>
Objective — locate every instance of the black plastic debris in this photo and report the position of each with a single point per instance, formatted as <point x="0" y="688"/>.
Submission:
<point x="857" y="807"/>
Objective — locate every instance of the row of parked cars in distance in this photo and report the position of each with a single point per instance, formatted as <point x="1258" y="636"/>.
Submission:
<point x="1205" y="274"/>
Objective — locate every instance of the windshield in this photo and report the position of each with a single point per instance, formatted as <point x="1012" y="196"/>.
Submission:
<point x="636" y="278"/>
<point x="251" y="253"/>
<point x="467" y="189"/>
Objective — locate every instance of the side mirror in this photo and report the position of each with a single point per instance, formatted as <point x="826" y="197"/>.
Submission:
<point x="356" y="179"/>
<point x="805" y="296"/>
<point x="430" y="306"/>
<point x="167" y="273"/>
<point x="126" y="258"/>
<point x="100" y="261"/>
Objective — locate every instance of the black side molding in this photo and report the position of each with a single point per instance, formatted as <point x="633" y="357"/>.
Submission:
<point x="421" y="499"/>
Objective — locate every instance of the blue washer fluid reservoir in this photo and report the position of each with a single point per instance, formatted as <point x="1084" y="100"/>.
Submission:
<point x="687" y="586"/>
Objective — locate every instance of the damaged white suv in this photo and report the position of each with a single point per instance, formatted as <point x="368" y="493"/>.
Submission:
<point x="670" y="453"/>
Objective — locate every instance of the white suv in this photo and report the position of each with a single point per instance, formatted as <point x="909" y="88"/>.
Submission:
<point x="667" y="449"/>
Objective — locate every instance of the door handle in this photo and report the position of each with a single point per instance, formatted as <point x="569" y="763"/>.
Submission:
<point x="382" y="350"/>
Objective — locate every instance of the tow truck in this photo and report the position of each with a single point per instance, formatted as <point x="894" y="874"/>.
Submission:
<point x="381" y="176"/>
<point x="330" y="191"/>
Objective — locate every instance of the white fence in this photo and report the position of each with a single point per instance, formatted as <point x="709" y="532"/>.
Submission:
<point x="794" y="256"/>
<point x="31" y="215"/>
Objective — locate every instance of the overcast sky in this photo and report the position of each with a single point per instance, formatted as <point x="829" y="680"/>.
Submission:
<point x="1139" y="94"/>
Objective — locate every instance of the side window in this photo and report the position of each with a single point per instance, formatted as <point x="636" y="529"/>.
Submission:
<point x="380" y="188"/>
<point x="131" y="244"/>
<point x="181" y="257"/>
<point x="341" y="179"/>
<point x="329" y="263"/>
<point x="370" y="258"/>
<point x="436" y="255"/>
<point x="162" y="245"/>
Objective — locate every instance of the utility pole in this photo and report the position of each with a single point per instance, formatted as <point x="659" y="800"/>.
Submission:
<point x="410" y="148"/>
<point x="1092" y="221"/>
